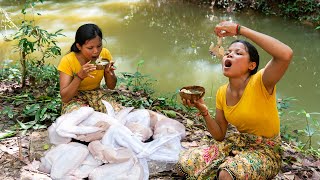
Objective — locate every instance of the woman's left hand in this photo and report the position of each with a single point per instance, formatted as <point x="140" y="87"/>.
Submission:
<point x="109" y="69"/>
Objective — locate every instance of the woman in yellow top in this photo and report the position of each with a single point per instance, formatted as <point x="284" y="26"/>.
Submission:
<point x="80" y="77"/>
<point x="247" y="102"/>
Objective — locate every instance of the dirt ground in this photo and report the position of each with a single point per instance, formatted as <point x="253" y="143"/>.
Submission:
<point x="20" y="155"/>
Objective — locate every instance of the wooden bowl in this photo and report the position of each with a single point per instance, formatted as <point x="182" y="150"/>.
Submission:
<point x="192" y="93"/>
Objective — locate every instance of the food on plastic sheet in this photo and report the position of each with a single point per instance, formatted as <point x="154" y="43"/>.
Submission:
<point x="96" y="135"/>
<point x="138" y="122"/>
<point x="142" y="132"/>
<point x="168" y="126"/>
<point x="67" y="124"/>
<point x="155" y="117"/>
<point x="120" y="115"/>
<point x="64" y="158"/>
<point x="119" y="146"/>
<point x="130" y="169"/>
<point x="86" y="167"/>
<point x="108" y="154"/>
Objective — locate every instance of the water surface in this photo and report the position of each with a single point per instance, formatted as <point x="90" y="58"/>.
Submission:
<point x="173" y="40"/>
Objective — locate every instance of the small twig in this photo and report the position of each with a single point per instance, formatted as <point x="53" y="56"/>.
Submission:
<point x="183" y="117"/>
<point x="20" y="149"/>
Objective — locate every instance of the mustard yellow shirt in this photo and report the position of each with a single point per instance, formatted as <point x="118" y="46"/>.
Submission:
<point x="70" y="65"/>
<point x="256" y="112"/>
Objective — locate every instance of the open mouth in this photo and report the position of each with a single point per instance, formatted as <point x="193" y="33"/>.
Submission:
<point x="227" y="63"/>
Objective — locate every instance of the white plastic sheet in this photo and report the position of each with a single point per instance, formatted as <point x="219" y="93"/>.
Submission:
<point x="120" y="153"/>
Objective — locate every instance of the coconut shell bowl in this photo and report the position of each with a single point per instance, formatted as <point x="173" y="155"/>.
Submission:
<point x="192" y="93"/>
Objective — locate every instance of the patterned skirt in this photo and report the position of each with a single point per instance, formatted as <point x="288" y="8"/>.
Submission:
<point x="90" y="98"/>
<point x="244" y="156"/>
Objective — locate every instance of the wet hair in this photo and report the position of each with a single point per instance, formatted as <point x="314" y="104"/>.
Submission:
<point x="253" y="54"/>
<point x="84" y="33"/>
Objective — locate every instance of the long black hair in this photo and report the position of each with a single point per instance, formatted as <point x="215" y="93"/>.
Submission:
<point x="84" y="33"/>
<point x="253" y="54"/>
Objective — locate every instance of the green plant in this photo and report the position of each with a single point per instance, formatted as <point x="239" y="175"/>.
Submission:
<point x="283" y="104"/>
<point x="9" y="72"/>
<point x="169" y="100"/>
<point x="38" y="106"/>
<point x="312" y="127"/>
<point x="137" y="82"/>
<point x="8" y="111"/>
<point x="32" y="38"/>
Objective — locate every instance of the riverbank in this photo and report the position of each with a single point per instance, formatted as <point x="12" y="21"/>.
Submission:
<point x="304" y="11"/>
<point x="17" y="153"/>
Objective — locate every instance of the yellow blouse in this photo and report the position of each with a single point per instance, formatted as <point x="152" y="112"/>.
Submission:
<point x="256" y="112"/>
<point x="70" y="65"/>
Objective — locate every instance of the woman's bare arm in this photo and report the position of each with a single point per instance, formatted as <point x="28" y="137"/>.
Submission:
<point x="109" y="76"/>
<point x="217" y="126"/>
<point x="280" y="52"/>
<point x="68" y="86"/>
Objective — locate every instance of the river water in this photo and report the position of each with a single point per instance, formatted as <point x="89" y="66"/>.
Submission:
<point x="173" y="40"/>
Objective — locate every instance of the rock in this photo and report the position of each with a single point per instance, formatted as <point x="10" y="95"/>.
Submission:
<point x="156" y="167"/>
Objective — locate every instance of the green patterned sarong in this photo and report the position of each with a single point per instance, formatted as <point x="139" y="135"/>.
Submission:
<point x="256" y="158"/>
<point x="90" y="98"/>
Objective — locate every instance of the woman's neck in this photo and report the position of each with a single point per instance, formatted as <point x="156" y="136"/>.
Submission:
<point x="82" y="60"/>
<point x="237" y="85"/>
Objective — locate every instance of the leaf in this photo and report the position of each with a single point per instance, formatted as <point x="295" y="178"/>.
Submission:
<point x="7" y="134"/>
<point x="24" y="126"/>
<point x="308" y="115"/>
<point x="309" y="131"/>
<point x="31" y="109"/>
<point x="140" y="62"/>
<point x="46" y="146"/>
<point x="170" y="113"/>
<point x="39" y="126"/>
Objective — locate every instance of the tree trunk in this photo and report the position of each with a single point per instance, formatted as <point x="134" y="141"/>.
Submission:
<point x="23" y="68"/>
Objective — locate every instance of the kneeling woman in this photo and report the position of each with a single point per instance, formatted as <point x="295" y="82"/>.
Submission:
<point x="79" y="76"/>
<point x="247" y="102"/>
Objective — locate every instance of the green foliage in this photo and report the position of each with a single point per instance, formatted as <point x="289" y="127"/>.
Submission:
<point x="7" y="134"/>
<point x="9" y="72"/>
<point x="37" y="106"/>
<point x="137" y="82"/>
<point x="137" y="102"/>
<point x="302" y="10"/>
<point x="141" y="88"/>
<point x="8" y="111"/>
<point x="284" y="104"/>
<point x="33" y="39"/>
<point x="169" y="99"/>
<point x="312" y="127"/>
<point x="45" y="76"/>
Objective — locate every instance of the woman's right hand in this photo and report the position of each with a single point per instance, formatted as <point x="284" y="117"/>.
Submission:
<point x="86" y="69"/>
<point x="226" y="28"/>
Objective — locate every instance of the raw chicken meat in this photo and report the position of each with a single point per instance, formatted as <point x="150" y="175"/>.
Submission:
<point x="117" y="148"/>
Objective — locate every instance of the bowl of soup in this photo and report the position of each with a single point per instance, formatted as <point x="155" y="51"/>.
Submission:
<point x="192" y="93"/>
